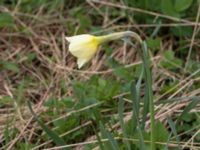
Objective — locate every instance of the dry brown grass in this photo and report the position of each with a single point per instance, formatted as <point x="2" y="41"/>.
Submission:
<point x="53" y="63"/>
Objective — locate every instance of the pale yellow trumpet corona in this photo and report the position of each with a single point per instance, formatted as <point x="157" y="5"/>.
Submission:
<point x="85" y="46"/>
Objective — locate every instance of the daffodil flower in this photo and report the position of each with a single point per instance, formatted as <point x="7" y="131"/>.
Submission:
<point x="85" y="46"/>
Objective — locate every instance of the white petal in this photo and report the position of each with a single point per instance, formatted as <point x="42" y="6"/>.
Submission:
<point x="69" y="39"/>
<point x="81" y="62"/>
<point x="79" y="38"/>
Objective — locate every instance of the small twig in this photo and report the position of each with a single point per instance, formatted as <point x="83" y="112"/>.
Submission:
<point x="193" y="38"/>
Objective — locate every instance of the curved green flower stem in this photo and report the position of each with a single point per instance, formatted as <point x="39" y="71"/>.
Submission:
<point x="118" y="35"/>
<point x="146" y="61"/>
<point x="148" y="79"/>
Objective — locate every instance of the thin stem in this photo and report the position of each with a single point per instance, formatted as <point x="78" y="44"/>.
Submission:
<point x="118" y="35"/>
<point x="148" y="77"/>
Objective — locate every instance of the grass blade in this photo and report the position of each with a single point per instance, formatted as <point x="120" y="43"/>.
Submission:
<point x="59" y="141"/>
<point x="135" y="116"/>
<point x="189" y="107"/>
<point x="112" y="142"/>
<point x="173" y="128"/>
<point x="149" y="91"/>
<point x="121" y="121"/>
<point x="98" y="139"/>
<point x="135" y="106"/>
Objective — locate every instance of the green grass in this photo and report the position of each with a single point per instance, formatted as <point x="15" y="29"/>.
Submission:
<point x="127" y="97"/>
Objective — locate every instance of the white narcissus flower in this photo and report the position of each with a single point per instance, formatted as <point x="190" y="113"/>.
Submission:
<point x="85" y="46"/>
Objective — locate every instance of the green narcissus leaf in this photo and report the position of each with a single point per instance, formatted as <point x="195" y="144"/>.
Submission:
<point x="167" y="7"/>
<point x="6" y="20"/>
<point x="181" y="5"/>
